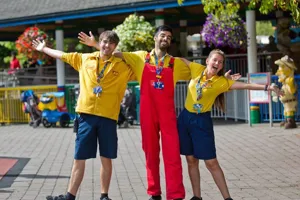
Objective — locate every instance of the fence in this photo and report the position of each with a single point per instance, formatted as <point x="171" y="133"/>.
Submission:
<point x="236" y="103"/>
<point x="11" y="106"/>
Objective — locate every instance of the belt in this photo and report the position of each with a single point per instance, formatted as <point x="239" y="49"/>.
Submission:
<point x="287" y="101"/>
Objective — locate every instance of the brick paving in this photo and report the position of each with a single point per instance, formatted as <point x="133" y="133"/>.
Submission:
<point x="259" y="162"/>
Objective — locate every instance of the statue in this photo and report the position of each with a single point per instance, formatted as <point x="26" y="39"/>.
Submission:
<point x="285" y="75"/>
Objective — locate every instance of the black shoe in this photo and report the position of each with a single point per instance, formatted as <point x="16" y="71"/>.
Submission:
<point x="105" y="198"/>
<point x="155" y="197"/>
<point x="229" y="198"/>
<point x="60" y="197"/>
<point x="196" y="198"/>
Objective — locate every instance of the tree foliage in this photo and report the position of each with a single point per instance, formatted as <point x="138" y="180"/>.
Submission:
<point x="229" y="7"/>
<point x="135" y="34"/>
<point x="264" y="28"/>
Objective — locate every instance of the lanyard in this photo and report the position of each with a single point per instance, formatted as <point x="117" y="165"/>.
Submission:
<point x="199" y="87"/>
<point x="159" y="67"/>
<point x="101" y="74"/>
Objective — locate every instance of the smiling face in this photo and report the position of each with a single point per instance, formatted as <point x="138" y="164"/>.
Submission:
<point x="215" y="62"/>
<point x="163" y="40"/>
<point x="107" y="47"/>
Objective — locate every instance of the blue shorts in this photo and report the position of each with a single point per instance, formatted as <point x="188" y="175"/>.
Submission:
<point x="92" y="128"/>
<point x="196" y="135"/>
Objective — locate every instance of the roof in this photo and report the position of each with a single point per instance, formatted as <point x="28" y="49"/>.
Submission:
<point x="16" y="12"/>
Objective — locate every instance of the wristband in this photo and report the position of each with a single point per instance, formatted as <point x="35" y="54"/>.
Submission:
<point x="266" y="87"/>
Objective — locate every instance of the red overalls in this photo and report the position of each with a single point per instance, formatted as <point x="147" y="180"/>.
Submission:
<point x="157" y="114"/>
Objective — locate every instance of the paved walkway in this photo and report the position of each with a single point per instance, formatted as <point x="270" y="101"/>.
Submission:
<point x="259" y="163"/>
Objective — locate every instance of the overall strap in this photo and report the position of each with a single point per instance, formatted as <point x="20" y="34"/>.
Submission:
<point x="147" y="59"/>
<point x="171" y="62"/>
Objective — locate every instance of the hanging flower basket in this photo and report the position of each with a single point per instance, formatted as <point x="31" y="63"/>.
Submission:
<point x="24" y="45"/>
<point x="224" y="32"/>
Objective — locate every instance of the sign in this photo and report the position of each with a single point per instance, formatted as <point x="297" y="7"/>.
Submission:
<point x="259" y="96"/>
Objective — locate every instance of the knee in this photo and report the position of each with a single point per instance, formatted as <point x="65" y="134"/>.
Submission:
<point x="212" y="165"/>
<point x="79" y="164"/>
<point x="192" y="162"/>
<point x="106" y="163"/>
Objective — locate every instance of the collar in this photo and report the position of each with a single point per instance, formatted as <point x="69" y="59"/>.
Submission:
<point x="152" y="53"/>
<point x="211" y="79"/>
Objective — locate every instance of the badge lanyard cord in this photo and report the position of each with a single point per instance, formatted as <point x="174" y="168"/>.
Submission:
<point x="98" y="89"/>
<point x="159" y="66"/>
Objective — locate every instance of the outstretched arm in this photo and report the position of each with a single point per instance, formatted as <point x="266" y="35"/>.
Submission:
<point x="88" y="40"/>
<point x="41" y="46"/>
<point x="187" y="62"/>
<point x="252" y="86"/>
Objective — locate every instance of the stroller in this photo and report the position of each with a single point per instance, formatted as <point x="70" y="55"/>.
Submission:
<point x="127" y="110"/>
<point x="30" y="106"/>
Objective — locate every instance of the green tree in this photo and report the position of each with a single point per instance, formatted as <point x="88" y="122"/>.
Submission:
<point x="229" y="7"/>
<point x="135" y="34"/>
<point x="264" y="28"/>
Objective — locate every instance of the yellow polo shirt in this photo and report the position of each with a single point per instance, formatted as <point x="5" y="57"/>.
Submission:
<point x="137" y="61"/>
<point x="216" y="85"/>
<point x="114" y="83"/>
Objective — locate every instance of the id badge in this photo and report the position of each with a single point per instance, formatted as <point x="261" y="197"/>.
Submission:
<point x="97" y="90"/>
<point x="197" y="107"/>
<point x="159" y="85"/>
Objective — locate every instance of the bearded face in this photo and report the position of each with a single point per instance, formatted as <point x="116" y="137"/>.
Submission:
<point x="163" y="40"/>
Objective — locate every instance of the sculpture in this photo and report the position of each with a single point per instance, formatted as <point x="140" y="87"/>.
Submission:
<point x="285" y="75"/>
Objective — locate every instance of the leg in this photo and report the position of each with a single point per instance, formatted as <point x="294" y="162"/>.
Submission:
<point x="194" y="174"/>
<point x="150" y="145"/>
<point x="171" y="157"/>
<point x="105" y="174"/>
<point x="108" y="147"/>
<point x="218" y="175"/>
<point x="76" y="176"/>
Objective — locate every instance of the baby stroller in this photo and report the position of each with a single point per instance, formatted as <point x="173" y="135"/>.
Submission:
<point x="127" y="109"/>
<point x="30" y="106"/>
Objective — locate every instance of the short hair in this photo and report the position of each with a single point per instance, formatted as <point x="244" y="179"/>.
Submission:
<point x="163" y="28"/>
<point x="111" y="36"/>
<point x="218" y="51"/>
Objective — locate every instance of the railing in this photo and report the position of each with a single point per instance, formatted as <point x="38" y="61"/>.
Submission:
<point x="237" y="63"/>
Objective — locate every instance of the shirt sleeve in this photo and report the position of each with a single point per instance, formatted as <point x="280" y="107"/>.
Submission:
<point x="196" y="69"/>
<point x="181" y="70"/>
<point x="74" y="59"/>
<point x="136" y="60"/>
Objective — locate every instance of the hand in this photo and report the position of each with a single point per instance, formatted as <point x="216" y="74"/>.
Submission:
<point x="276" y="89"/>
<point x="38" y="45"/>
<point x="87" y="40"/>
<point x="233" y="77"/>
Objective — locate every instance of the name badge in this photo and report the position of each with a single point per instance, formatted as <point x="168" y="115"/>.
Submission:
<point x="158" y="85"/>
<point x="197" y="107"/>
<point x="97" y="90"/>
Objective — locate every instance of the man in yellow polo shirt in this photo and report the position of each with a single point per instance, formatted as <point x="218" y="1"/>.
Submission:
<point x="103" y="79"/>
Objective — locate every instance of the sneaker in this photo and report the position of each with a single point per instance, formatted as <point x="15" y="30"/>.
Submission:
<point x="196" y="198"/>
<point x="105" y="198"/>
<point x="60" y="197"/>
<point x="155" y="197"/>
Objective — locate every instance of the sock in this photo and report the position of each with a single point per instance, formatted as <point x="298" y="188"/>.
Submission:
<point x="103" y="195"/>
<point x="70" y="196"/>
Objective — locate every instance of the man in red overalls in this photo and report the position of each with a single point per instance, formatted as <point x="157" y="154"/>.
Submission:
<point x="157" y="73"/>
